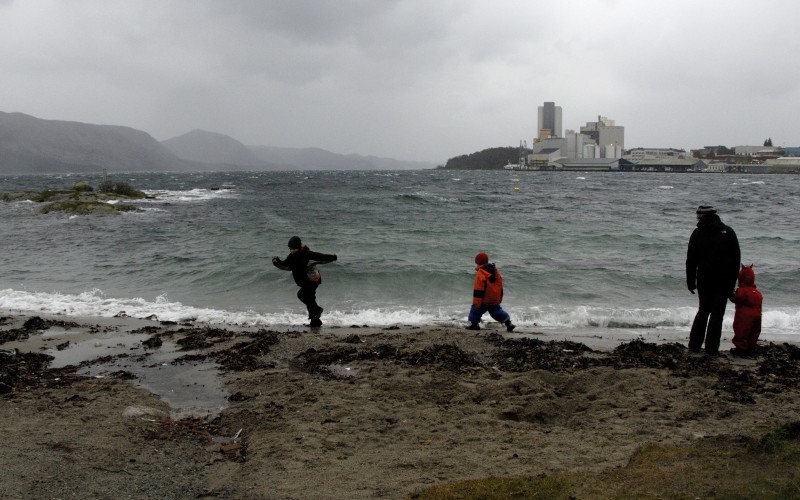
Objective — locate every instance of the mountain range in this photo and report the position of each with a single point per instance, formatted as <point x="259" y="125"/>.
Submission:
<point x="30" y="145"/>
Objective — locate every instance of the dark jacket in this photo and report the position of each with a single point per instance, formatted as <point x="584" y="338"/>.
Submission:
<point x="712" y="262"/>
<point x="303" y="264"/>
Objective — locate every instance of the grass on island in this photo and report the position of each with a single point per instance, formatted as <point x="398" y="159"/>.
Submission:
<point x="732" y="467"/>
<point x="80" y="207"/>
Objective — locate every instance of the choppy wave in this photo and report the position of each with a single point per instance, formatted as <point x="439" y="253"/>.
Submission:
<point x="422" y="196"/>
<point x="603" y="250"/>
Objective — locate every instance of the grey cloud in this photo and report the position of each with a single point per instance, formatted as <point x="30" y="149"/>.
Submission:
<point x="406" y="78"/>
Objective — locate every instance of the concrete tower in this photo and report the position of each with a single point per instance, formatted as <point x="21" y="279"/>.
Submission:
<point x="549" y="120"/>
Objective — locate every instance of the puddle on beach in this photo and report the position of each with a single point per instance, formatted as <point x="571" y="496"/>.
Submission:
<point x="190" y="389"/>
<point x="341" y="371"/>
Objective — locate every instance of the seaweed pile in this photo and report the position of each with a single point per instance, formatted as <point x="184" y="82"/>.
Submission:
<point x="446" y="356"/>
<point x="31" y="326"/>
<point x="23" y="370"/>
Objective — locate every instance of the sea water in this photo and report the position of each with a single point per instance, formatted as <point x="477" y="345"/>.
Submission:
<point x="578" y="252"/>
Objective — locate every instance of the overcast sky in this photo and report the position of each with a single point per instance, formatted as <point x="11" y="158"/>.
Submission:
<point x="408" y="79"/>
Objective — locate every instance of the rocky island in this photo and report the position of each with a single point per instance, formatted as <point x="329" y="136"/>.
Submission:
<point x="82" y="199"/>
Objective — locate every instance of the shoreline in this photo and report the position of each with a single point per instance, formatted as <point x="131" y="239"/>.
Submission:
<point x="357" y="412"/>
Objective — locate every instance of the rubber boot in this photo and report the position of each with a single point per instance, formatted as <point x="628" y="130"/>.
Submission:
<point x="509" y="325"/>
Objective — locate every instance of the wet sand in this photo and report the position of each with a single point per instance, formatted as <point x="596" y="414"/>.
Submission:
<point x="352" y="412"/>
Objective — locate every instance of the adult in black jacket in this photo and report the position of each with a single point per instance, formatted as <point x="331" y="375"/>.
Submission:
<point x="712" y="267"/>
<point x="302" y="262"/>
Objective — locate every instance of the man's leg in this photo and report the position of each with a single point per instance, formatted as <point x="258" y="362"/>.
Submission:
<point x="698" y="333"/>
<point x="717" y="304"/>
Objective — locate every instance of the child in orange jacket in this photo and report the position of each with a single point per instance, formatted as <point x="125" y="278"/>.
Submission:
<point x="487" y="294"/>
<point x="747" y="319"/>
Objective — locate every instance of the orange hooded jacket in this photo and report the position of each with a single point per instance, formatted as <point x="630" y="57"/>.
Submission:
<point x="488" y="287"/>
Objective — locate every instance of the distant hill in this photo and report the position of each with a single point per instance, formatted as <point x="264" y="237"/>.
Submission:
<point x="488" y="159"/>
<point x="32" y="145"/>
<point x="320" y="159"/>
<point x="204" y="146"/>
<point x="211" y="147"/>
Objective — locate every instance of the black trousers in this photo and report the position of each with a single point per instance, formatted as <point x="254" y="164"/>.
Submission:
<point x="707" y="325"/>
<point x="308" y="296"/>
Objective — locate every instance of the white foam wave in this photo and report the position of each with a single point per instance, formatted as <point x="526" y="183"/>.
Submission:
<point x="95" y="303"/>
<point x="666" y="187"/>
<point x="783" y="321"/>
<point x="191" y="195"/>
<point x="606" y="317"/>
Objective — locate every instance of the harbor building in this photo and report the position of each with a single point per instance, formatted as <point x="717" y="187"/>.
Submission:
<point x="606" y="134"/>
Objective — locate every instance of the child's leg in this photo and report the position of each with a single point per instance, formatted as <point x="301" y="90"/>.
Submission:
<point x="755" y="331"/>
<point x="475" y="313"/>
<point x="498" y="313"/>
<point x="740" y="332"/>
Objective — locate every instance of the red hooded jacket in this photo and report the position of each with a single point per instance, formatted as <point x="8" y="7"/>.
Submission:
<point x="747" y="297"/>
<point x="747" y="318"/>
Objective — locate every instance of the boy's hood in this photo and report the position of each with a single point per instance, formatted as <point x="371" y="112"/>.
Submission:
<point x="746" y="276"/>
<point x="491" y="269"/>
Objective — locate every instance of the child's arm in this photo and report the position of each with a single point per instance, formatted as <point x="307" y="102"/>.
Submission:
<point x="478" y="291"/>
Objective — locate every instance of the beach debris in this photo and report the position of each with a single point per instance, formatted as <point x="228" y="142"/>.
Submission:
<point x="143" y="411"/>
<point x="122" y="375"/>
<point x="202" y="338"/>
<point x="153" y="342"/>
<point x="447" y="356"/>
<point x="31" y="326"/>
<point x="202" y="429"/>
<point x="147" y="329"/>
<point x="20" y="371"/>
<point x="243" y="356"/>
<point x="14" y="335"/>
<point x="34" y="323"/>
<point x="338" y="372"/>
<point x="238" y="396"/>
<point x="523" y="354"/>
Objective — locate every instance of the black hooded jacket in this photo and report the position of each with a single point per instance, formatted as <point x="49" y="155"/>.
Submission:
<point x="712" y="262"/>
<point x="302" y="264"/>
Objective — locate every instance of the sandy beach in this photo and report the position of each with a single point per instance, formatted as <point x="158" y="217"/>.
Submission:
<point x="353" y="412"/>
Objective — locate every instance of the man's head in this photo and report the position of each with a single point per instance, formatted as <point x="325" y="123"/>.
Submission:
<point x="704" y="210"/>
<point x="295" y="244"/>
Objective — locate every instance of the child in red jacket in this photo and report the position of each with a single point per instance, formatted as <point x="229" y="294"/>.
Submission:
<point x="747" y="319"/>
<point x="487" y="294"/>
